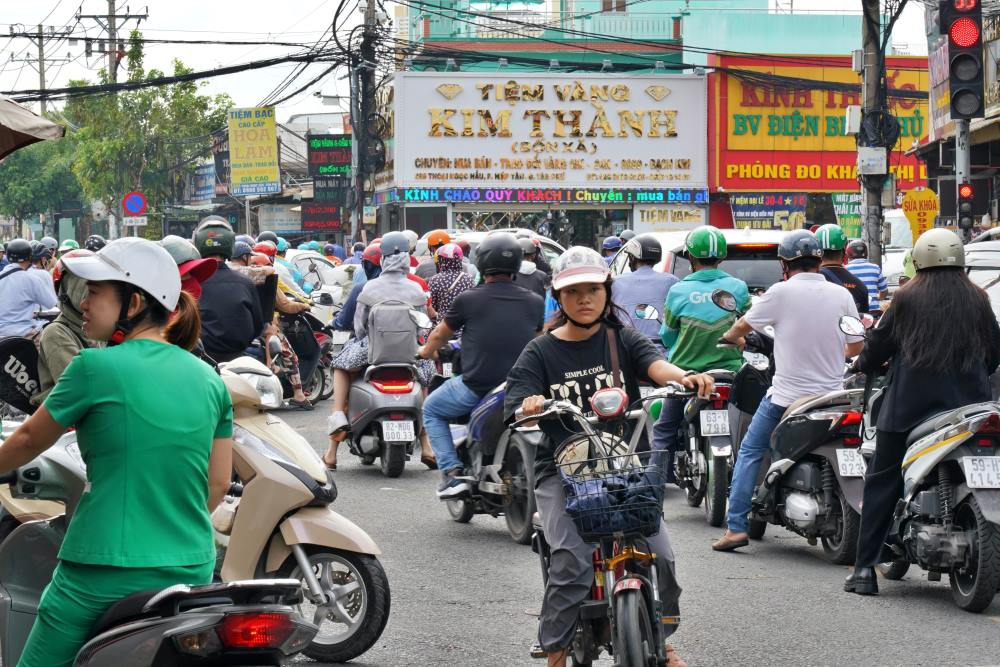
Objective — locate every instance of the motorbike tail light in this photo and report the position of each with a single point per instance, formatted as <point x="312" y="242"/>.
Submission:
<point x="720" y="397"/>
<point x="851" y="418"/>
<point x="852" y="441"/>
<point x="256" y="630"/>
<point x="393" y="382"/>
<point x="397" y="416"/>
<point x="990" y="425"/>
<point x="985" y="442"/>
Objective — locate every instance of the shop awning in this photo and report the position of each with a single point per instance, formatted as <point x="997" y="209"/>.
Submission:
<point x="20" y="127"/>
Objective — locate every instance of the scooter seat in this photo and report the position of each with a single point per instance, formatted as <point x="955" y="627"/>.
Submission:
<point x="841" y="397"/>
<point x="127" y="609"/>
<point x="720" y="375"/>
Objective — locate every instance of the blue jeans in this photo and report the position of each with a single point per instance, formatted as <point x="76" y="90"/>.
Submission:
<point x="755" y="444"/>
<point x="665" y="434"/>
<point x="449" y="401"/>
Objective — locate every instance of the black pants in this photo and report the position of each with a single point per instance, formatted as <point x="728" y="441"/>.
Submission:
<point x="883" y="489"/>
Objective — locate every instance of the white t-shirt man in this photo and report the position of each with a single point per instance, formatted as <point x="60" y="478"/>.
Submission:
<point x="805" y="312"/>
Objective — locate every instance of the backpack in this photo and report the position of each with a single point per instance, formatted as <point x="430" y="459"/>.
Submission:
<point x="392" y="335"/>
<point x="18" y="372"/>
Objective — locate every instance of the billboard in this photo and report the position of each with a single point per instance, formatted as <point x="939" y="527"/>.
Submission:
<point x="547" y="130"/>
<point x="329" y="155"/>
<point x="253" y="152"/>
<point x="317" y="216"/>
<point x="768" y="136"/>
<point x="278" y="218"/>
<point x="203" y="184"/>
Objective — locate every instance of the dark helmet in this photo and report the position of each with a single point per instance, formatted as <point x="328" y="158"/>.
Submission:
<point x="394" y="243"/>
<point x="94" y="242"/>
<point x="799" y="244"/>
<point x="857" y="248"/>
<point x="40" y="251"/>
<point x="644" y="248"/>
<point x="50" y="243"/>
<point x="528" y="247"/>
<point x="268" y="236"/>
<point x="241" y="249"/>
<point x="499" y="252"/>
<point x="358" y="247"/>
<point x="18" y="250"/>
<point x="329" y="249"/>
<point x="179" y="248"/>
<point x="627" y="235"/>
<point x="245" y="238"/>
<point x="214" y="236"/>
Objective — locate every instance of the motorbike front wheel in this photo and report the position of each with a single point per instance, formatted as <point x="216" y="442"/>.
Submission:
<point x="635" y="638"/>
<point x="521" y="506"/>
<point x="461" y="511"/>
<point x="317" y="385"/>
<point x="974" y="585"/>
<point x="357" y="606"/>
<point x="718" y="485"/>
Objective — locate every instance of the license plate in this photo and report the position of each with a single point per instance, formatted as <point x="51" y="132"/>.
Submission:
<point x="446" y="370"/>
<point x="851" y="462"/>
<point x="755" y="359"/>
<point x="714" y="422"/>
<point x="397" y="431"/>
<point x="982" y="472"/>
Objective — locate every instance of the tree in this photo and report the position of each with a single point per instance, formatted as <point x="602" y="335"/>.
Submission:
<point x="38" y="179"/>
<point x="147" y="140"/>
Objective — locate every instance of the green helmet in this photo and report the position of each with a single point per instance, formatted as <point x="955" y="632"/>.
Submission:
<point x="180" y="249"/>
<point x="706" y="242"/>
<point x="214" y="236"/>
<point x="69" y="244"/>
<point x="831" y="237"/>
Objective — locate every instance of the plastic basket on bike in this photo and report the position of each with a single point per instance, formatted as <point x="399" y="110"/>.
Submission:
<point x="608" y="493"/>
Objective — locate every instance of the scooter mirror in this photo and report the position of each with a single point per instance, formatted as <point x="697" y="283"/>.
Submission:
<point x="852" y="326"/>
<point x="420" y="319"/>
<point x="724" y="300"/>
<point x="644" y="311"/>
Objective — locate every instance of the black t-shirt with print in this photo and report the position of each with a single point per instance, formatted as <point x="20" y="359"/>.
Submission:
<point x="841" y="276"/>
<point x="574" y="371"/>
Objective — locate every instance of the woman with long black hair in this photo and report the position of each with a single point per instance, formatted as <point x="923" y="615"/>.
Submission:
<point x="941" y="341"/>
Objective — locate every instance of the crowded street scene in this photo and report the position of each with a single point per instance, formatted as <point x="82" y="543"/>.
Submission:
<point x="632" y="333"/>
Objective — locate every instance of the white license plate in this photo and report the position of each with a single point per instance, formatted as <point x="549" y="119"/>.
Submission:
<point x="397" y="431"/>
<point x="446" y="370"/>
<point x="714" y="422"/>
<point x="982" y="472"/>
<point x="851" y="462"/>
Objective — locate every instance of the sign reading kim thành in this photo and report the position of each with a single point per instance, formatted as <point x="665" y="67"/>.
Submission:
<point x="525" y="130"/>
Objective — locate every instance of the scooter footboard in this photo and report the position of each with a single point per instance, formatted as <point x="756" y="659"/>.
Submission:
<point x="318" y="526"/>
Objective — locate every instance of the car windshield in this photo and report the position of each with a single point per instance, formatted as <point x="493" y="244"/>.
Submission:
<point x="989" y="280"/>
<point x="759" y="270"/>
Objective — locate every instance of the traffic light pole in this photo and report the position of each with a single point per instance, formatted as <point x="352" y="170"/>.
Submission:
<point x="872" y="79"/>
<point x="962" y="170"/>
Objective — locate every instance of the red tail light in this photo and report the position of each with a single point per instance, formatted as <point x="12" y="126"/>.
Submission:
<point x="851" y="418"/>
<point x="393" y="381"/>
<point x="853" y="441"/>
<point x="991" y="425"/>
<point x="722" y="391"/>
<point x="255" y="630"/>
<point x="985" y="442"/>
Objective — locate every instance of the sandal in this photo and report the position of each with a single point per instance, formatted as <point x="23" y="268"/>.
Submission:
<point x="429" y="461"/>
<point x="302" y="405"/>
<point x="330" y="466"/>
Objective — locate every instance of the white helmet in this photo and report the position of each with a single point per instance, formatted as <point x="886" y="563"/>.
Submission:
<point x="135" y="261"/>
<point x="937" y="248"/>
<point x="578" y="265"/>
<point x="412" y="237"/>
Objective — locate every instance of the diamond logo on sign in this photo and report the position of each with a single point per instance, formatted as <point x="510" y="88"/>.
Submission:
<point x="449" y="90"/>
<point x="134" y="204"/>
<point x="657" y="92"/>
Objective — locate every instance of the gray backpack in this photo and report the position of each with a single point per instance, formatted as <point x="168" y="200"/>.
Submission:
<point x="392" y="335"/>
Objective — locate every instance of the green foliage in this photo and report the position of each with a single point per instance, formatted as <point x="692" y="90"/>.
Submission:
<point x="38" y="178"/>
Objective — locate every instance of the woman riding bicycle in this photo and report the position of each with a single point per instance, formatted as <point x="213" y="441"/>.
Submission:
<point x="571" y="362"/>
<point x="154" y="426"/>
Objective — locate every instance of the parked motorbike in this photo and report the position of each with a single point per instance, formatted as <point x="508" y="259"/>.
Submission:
<point x="240" y="622"/>
<point x="624" y="614"/>
<point x="386" y="411"/>
<point x="948" y="520"/>
<point x="280" y="524"/>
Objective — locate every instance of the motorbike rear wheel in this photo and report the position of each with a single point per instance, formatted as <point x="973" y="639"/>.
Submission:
<point x="895" y="570"/>
<point x="974" y="585"/>
<point x="756" y="528"/>
<point x="717" y="488"/>
<point x="841" y="547"/>
<point x="698" y="483"/>
<point x="521" y="506"/>
<point x="461" y="511"/>
<point x="635" y="638"/>
<point x="392" y="458"/>
<point x="315" y="387"/>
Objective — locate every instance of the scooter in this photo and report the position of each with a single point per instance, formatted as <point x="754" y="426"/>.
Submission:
<point x="241" y="622"/>
<point x="279" y="523"/>
<point x="386" y="411"/>
<point x="948" y="520"/>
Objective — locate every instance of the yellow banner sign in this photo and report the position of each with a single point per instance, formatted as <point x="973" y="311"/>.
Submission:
<point x="920" y="206"/>
<point x="253" y="152"/>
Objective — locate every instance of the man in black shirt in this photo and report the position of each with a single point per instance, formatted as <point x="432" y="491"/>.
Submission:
<point x="497" y="320"/>
<point x="229" y="304"/>
<point x="833" y="240"/>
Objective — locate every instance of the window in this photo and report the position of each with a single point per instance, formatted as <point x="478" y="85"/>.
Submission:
<point x="613" y="5"/>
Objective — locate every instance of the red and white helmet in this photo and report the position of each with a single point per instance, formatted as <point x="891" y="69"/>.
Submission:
<point x="579" y="265"/>
<point x="60" y="269"/>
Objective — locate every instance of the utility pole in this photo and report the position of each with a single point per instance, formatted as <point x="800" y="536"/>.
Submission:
<point x="363" y="87"/>
<point x="110" y="22"/>
<point x="871" y="204"/>
<point x="40" y="38"/>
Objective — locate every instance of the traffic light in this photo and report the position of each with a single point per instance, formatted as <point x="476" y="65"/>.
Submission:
<point x="965" y="195"/>
<point x="962" y="22"/>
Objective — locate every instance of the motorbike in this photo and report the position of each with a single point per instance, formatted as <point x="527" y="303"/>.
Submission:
<point x="948" y="520"/>
<point x="386" y="411"/>
<point x="278" y="522"/>
<point x="623" y="614"/>
<point x="239" y="622"/>
<point x="499" y="462"/>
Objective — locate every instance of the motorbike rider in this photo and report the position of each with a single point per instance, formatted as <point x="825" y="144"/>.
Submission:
<point x="3" y="256"/>
<point x="192" y="268"/>
<point x="66" y="246"/>
<point x="692" y="324"/>
<point x="627" y="235"/>
<point x="610" y="247"/>
<point x="61" y="340"/>
<point x="23" y="292"/>
<point x="371" y="260"/>
<point x="154" y="425"/>
<point x="334" y="253"/>
<point x="450" y="280"/>
<point x="833" y="241"/>
<point x="870" y="274"/>
<point x="230" y="307"/>
<point x="497" y="319"/>
<point x="643" y="286"/>
<point x="935" y="366"/>
<point x="41" y="256"/>
<point x="571" y="362"/>
<point x="357" y="250"/>
<point x="529" y="276"/>
<point x="392" y="284"/>
<point x="427" y="268"/>
<point x="467" y="264"/>
<point x="94" y="242"/>
<point x="809" y="354"/>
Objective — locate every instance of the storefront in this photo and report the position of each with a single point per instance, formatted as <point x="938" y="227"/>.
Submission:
<point x="573" y="156"/>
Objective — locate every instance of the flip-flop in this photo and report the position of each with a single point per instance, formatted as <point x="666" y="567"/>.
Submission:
<point x="430" y="462"/>
<point x="302" y="405"/>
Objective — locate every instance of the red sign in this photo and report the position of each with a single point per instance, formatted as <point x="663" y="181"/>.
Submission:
<point x="317" y="216"/>
<point x="134" y="203"/>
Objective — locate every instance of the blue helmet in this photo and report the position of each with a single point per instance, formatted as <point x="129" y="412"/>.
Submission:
<point x="612" y="243"/>
<point x="282" y="244"/>
<point x="241" y="249"/>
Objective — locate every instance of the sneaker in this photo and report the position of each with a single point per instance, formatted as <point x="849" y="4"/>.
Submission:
<point x="452" y="487"/>
<point x="337" y="422"/>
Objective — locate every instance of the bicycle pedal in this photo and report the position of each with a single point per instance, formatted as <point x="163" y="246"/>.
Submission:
<point x="538" y="652"/>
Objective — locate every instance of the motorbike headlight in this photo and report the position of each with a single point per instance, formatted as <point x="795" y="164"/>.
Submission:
<point x="248" y="439"/>
<point x="268" y="387"/>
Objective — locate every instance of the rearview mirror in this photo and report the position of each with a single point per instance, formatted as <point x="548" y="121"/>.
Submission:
<point x="644" y="311"/>
<point x="724" y="300"/>
<point x="852" y="326"/>
<point x="420" y="319"/>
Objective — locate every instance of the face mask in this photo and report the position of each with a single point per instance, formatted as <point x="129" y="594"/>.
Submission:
<point x="191" y="286"/>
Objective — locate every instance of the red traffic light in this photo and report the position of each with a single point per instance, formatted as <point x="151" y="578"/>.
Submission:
<point x="964" y="32"/>
<point x="964" y="5"/>
<point x="965" y="191"/>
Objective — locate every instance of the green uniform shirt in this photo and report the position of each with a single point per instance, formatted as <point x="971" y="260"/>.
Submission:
<point x="146" y="414"/>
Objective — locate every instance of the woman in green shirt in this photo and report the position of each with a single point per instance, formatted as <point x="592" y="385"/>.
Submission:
<point x="154" y="425"/>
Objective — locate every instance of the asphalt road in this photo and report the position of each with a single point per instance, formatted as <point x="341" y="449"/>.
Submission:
<point x="462" y="594"/>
